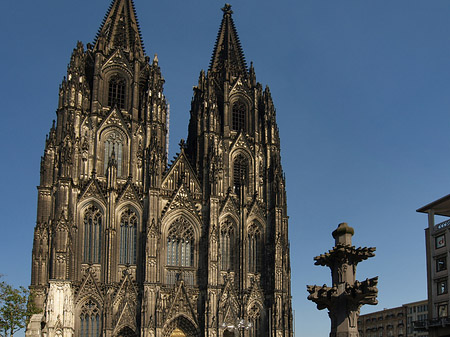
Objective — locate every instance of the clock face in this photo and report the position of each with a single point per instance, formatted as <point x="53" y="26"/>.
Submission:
<point x="440" y="241"/>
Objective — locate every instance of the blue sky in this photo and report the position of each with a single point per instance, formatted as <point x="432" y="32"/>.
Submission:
<point x="363" y="106"/>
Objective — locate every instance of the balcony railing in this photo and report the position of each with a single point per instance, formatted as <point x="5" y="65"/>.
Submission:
<point x="442" y="225"/>
<point x="425" y="325"/>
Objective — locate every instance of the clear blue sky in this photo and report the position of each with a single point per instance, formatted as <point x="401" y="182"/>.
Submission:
<point x="362" y="91"/>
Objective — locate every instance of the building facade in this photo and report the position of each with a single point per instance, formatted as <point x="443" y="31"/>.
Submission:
<point x="405" y="321"/>
<point x="385" y="323"/>
<point x="126" y="244"/>
<point x="437" y="251"/>
<point x="416" y="317"/>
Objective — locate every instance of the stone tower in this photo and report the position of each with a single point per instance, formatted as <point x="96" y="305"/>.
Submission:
<point x="128" y="245"/>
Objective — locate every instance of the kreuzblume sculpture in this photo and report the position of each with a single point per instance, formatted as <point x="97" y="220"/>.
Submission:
<point x="344" y="299"/>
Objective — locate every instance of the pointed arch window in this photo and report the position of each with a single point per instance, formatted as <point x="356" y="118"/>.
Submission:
<point x="116" y="94"/>
<point x="90" y="320"/>
<point x="226" y="245"/>
<point x="128" y="236"/>
<point x="180" y="244"/>
<point x="254" y="314"/>
<point x="240" y="172"/>
<point x="254" y="248"/>
<point x="114" y="143"/>
<point x="238" y="112"/>
<point x="92" y="234"/>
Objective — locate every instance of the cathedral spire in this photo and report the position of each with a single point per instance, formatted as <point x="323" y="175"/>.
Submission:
<point x="228" y="54"/>
<point x="120" y="29"/>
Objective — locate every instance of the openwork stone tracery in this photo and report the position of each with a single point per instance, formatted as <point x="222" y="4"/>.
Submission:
<point x="128" y="244"/>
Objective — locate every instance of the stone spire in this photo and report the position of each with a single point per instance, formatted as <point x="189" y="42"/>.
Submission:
<point x="346" y="296"/>
<point x="228" y="54"/>
<point x="120" y="29"/>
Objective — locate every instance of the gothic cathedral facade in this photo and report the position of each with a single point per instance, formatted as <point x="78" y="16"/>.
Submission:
<point x="128" y="244"/>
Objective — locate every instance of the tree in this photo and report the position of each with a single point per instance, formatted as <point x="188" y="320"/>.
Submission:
<point x="16" y="308"/>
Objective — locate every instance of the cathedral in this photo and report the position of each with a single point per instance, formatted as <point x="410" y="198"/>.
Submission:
<point x="129" y="244"/>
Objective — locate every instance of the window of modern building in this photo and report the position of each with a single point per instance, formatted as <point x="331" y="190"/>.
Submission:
<point x="441" y="263"/>
<point x="90" y="320"/>
<point x="92" y="234"/>
<point x="440" y="241"/>
<point x="238" y="116"/>
<point x="442" y="287"/>
<point x="128" y="235"/>
<point x="442" y="310"/>
<point x="116" y="94"/>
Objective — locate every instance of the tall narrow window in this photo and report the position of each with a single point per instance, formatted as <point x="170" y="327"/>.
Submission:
<point x="116" y="93"/>
<point x="90" y="320"/>
<point x="238" y="116"/>
<point x="240" y="172"/>
<point x="114" y="142"/>
<point x="180" y="244"/>
<point x="255" y="319"/>
<point x="128" y="230"/>
<point x="92" y="234"/>
<point x="254" y="248"/>
<point x="226" y="245"/>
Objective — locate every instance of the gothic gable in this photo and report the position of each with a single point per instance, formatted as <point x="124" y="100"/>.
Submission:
<point x="242" y="142"/>
<point x="181" y="304"/>
<point x="182" y="199"/>
<point x="126" y="292"/>
<point x="92" y="189"/>
<point x="89" y="288"/>
<point x="129" y="193"/>
<point x="256" y="293"/>
<point x="240" y="88"/>
<point x="124" y="304"/>
<point x="115" y="118"/>
<point x="118" y="59"/>
<point x="257" y="210"/>
<point x="228" y="303"/>
<point x="181" y="170"/>
<point x="230" y="206"/>
<point x="126" y="318"/>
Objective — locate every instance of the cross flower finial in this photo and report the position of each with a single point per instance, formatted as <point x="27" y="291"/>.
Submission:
<point x="227" y="9"/>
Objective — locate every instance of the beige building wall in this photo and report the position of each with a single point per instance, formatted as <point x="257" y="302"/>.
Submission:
<point x="385" y="323"/>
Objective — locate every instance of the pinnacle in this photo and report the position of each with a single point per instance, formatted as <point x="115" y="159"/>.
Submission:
<point x="120" y="29"/>
<point x="228" y="52"/>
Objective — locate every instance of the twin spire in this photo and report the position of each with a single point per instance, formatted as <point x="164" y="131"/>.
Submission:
<point x="120" y="29"/>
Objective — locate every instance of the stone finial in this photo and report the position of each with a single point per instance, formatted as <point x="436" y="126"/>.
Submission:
<point x="227" y="9"/>
<point x="343" y="234"/>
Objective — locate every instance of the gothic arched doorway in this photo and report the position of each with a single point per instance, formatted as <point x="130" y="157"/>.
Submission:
<point x="181" y="327"/>
<point x="228" y="333"/>
<point x="126" y="332"/>
<point x="177" y="333"/>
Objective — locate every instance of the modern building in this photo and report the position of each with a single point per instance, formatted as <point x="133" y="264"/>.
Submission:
<point x="404" y="321"/>
<point x="416" y="317"/>
<point x="437" y="240"/>
<point x="127" y="244"/>
<point x="385" y="323"/>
